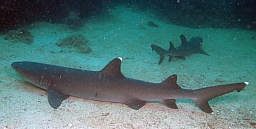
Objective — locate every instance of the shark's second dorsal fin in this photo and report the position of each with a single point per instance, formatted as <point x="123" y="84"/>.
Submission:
<point x="113" y="68"/>
<point x="171" y="82"/>
<point x="183" y="39"/>
<point x="171" y="46"/>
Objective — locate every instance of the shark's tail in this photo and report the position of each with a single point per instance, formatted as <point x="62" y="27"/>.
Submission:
<point x="205" y="94"/>
<point x="160" y="51"/>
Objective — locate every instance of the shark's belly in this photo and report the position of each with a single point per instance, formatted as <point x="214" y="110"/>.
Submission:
<point x="113" y="90"/>
<point x="93" y="87"/>
<point x="185" y="50"/>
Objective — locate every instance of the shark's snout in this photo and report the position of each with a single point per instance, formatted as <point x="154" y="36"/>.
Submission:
<point x="19" y="66"/>
<point x="16" y="66"/>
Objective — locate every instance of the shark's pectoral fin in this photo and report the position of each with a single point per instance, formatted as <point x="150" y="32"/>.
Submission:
<point x="170" y="103"/>
<point x="55" y="97"/>
<point x="135" y="103"/>
<point x="200" y="51"/>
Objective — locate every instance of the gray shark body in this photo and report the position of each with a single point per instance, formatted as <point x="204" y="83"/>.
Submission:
<point x="111" y="85"/>
<point x="185" y="49"/>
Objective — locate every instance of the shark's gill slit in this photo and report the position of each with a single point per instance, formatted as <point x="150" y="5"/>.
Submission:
<point x="44" y="81"/>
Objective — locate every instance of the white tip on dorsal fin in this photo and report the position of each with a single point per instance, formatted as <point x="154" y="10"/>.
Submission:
<point x="113" y="68"/>
<point x="120" y="58"/>
<point x="247" y="83"/>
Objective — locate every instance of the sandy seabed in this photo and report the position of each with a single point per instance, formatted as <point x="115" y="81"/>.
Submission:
<point x="125" y="34"/>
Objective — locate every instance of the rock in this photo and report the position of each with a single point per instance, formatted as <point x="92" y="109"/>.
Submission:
<point x="20" y="36"/>
<point x="75" y="43"/>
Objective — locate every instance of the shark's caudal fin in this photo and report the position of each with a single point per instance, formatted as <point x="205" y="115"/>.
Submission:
<point x="202" y="96"/>
<point x="160" y="51"/>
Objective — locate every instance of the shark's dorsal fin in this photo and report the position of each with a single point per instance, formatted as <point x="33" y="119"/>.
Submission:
<point x="113" y="68"/>
<point x="171" y="82"/>
<point x="183" y="39"/>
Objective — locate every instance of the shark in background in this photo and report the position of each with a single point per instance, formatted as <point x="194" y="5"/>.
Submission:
<point x="110" y="85"/>
<point x="185" y="49"/>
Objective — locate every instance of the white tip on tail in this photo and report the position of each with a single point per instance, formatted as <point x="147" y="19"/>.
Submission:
<point x="247" y="83"/>
<point x="120" y="58"/>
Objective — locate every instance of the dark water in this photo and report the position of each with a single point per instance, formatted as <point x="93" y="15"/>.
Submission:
<point x="190" y="13"/>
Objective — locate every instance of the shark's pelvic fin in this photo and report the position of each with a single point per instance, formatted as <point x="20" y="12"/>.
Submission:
<point x="170" y="103"/>
<point x="170" y="58"/>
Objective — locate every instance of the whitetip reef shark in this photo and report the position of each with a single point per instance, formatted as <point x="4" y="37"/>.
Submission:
<point x="185" y="49"/>
<point x="110" y="85"/>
